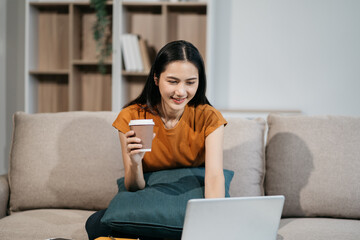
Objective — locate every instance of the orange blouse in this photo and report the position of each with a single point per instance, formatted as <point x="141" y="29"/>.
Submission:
<point x="181" y="146"/>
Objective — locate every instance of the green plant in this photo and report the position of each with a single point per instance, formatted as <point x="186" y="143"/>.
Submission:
<point x="101" y="32"/>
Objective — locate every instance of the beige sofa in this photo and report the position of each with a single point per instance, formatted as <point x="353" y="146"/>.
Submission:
<point x="64" y="166"/>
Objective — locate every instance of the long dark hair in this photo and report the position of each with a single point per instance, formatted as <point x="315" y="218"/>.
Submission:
<point x="173" y="51"/>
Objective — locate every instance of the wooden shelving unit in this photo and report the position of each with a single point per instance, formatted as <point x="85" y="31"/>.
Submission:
<point x="61" y="62"/>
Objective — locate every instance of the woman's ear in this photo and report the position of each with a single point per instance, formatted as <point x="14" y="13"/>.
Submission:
<point x="156" y="80"/>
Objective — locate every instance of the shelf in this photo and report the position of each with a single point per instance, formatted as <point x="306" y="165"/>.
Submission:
<point x="157" y="3"/>
<point x="87" y="3"/>
<point x="89" y="62"/>
<point x="60" y="3"/>
<point x="187" y="4"/>
<point x="137" y="74"/>
<point x="49" y="4"/>
<point x="142" y="4"/>
<point x="50" y="72"/>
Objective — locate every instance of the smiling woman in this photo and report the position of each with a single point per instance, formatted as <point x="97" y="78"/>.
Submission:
<point x="188" y="130"/>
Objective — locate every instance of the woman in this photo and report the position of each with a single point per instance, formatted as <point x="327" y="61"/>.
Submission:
<point x="188" y="131"/>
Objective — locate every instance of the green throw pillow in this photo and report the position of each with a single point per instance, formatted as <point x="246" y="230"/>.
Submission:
<point x="159" y="209"/>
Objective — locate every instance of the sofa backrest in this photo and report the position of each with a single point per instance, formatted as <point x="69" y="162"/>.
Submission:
<point x="315" y="162"/>
<point x="73" y="159"/>
<point x="64" y="160"/>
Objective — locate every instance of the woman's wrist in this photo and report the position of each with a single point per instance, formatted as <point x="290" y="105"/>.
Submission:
<point x="134" y="179"/>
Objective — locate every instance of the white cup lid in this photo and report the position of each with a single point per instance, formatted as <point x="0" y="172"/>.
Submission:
<point x="141" y="122"/>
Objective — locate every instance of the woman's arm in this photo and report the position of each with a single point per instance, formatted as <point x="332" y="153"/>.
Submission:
<point x="214" y="175"/>
<point x="134" y="176"/>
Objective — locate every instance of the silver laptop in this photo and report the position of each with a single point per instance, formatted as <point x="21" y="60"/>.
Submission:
<point x="255" y="218"/>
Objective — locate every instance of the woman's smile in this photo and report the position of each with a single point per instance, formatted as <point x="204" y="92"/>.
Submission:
<point x="178" y="100"/>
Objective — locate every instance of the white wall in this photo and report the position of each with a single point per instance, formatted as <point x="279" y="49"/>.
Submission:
<point x="288" y="54"/>
<point x="3" y="138"/>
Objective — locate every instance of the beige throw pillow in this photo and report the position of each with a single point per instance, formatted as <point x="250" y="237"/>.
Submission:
<point x="244" y="154"/>
<point x="64" y="160"/>
<point x="315" y="163"/>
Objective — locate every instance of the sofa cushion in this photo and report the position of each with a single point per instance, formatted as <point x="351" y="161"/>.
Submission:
<point x="158" y="209"/>
<point x="64" y="160"/>
<point x="318" y="229"/>
<point x="244" y="154"/>
<point x="45" y="224"/>
<point x="314" y="162"/>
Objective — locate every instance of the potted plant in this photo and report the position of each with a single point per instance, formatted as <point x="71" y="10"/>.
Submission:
<point x="101" y="32"/>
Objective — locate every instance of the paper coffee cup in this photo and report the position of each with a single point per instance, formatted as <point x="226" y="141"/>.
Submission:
<point x="143" y="129"/>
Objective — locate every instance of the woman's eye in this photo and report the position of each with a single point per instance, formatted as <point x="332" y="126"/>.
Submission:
<point x="190" y="83"/>
<point x="172" y="82"/>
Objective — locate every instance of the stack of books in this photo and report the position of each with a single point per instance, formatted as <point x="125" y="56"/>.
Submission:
<point x="135" y="53"/>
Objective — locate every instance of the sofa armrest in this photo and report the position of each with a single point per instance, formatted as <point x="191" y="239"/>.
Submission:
<point x="4" y="195"/>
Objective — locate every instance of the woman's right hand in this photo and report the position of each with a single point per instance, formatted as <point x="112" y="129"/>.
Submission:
<point x="133" y="144"/>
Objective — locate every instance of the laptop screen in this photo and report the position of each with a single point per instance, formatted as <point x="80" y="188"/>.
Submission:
<point x="255" y="218"/>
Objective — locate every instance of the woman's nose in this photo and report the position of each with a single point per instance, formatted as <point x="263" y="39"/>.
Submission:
<point x="180" y="90"/>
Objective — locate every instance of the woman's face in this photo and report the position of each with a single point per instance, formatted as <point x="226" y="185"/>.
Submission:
<point x="178" y="84"/>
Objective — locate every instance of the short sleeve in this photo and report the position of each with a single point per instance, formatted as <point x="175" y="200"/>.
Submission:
<point x="121" y="123"/>
<point x="214" y="120"/>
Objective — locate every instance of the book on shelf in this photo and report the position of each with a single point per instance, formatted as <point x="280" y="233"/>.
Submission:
<point x="145" y="55"/>
<point x="126" y="52"/>
<point x="135" y="53"/>
<point x="128" y="49"/>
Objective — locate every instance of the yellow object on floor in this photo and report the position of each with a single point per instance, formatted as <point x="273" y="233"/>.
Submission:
<point x="112" y="238"/>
